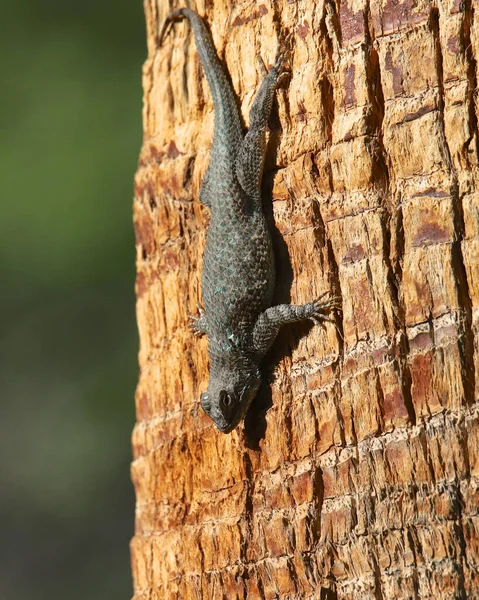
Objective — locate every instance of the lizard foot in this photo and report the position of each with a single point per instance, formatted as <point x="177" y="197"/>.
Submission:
<point x="318" y="308"/>
<point x="278" y="69"/>
<point x="283" y="53"/>
<point x="198" y="324"/>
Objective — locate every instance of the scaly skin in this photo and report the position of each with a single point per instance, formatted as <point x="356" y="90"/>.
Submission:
<point x="238" y="266"/>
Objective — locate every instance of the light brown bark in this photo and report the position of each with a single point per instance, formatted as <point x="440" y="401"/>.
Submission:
<point x="361" y="480"/>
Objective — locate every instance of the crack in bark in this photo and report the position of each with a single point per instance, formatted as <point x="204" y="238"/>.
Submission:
<point x="466" y="349"/>
<point x="471" y="64"/>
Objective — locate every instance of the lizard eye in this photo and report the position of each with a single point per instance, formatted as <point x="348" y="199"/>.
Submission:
<point x="225" y="399"/>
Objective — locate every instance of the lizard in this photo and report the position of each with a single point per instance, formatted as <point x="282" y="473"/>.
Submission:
<point x="238" y="276"/>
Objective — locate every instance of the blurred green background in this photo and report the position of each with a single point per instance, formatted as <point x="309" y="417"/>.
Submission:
<point x="70" y="137"/>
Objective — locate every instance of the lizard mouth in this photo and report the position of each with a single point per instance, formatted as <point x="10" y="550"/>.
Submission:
<point x="246" y="398"/>
<point x="227" y="428"/>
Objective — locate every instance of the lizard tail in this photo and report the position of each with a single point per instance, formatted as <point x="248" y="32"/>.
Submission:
<point x="175" y="15"/>
<point x="227" y="123"/>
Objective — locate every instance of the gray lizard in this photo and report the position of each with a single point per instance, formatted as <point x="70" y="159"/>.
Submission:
<point x="238" y="267"/>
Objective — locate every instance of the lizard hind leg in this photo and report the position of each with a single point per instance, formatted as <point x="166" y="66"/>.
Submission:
<point x="250" y="158"/>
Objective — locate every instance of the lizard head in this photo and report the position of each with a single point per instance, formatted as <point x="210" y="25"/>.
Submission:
<point x="229" y="395"/>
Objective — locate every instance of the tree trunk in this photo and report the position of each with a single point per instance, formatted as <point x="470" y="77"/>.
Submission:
<point x="356" y="473"/>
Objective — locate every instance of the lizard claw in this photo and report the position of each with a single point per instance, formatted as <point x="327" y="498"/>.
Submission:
<point x="283" y="52"/>
<point x="262" y="66"/>
<point x="319" y="307"/>
<point x="198" y="324"/>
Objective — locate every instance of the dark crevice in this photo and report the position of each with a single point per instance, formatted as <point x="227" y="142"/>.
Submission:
<point x="327" y="91"/>
<point x="335" y="287"/>
<point x="316" y="507"/>
<point x="401" y="345"/>
<point x="327" y="95"/>
<point x="381" y="401"/>
<point x="414" y="576"/>
<point x="434" y="28"/>
<point x="333" y="272"/>
<point x="396" y="242"/>
<point x="261" y="591"/>
<point x="466" y="335"/>
<point x="423" y="441"/>
<point x="329" y="109"/>
<point x="405" y="377"/>
<point x="378" y="593"/>
<point x="328" y="594"/>
<point x="330" y="5"/>
<point x="189" y="170"/>
<point x="353" y="419"/>
<point x="247" y="516"/>
<point x="376" y="115"/>
<point x="152" y="202"/>
<point x="391" y="220"/>
<point x="255" y="419"/>
<point x="288" y="422"/>
<point x="458" y="507"/>
<point x="337" y="394"/>
<point x="294" y="577"/>
<point x="328" y="106"/>
<point x="462" y="425"/>
<point x="327" y="102"/>
<point x="471" y="73"/>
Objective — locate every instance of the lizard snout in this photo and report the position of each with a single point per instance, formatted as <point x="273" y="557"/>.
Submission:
<point x="205" y="401"/>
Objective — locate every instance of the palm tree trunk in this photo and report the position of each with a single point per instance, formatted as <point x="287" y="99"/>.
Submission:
<point x="356" y="474"/>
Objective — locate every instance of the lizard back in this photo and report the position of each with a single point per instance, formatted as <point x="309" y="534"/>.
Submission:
<point x="238" y="269"/>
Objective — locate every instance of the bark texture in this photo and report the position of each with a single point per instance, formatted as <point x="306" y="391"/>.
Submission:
<point x="356" y="475"/>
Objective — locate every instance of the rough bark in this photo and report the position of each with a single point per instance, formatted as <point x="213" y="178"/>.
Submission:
<point x="356" y="473"/>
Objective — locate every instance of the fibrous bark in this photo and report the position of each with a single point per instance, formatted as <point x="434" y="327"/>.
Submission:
<point x="356" y="474"/>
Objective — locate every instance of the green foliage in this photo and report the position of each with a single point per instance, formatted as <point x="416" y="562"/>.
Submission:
<point x="70" y="124"/>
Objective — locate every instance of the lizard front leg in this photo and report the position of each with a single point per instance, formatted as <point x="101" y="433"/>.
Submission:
<point x="269" y="321"/>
